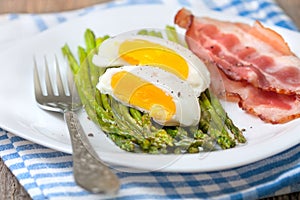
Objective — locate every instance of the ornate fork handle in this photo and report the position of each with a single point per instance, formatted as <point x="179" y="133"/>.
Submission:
<point x="89" y="171"/>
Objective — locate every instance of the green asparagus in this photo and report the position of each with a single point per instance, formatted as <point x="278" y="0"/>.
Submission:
<point x="133" y="130"/>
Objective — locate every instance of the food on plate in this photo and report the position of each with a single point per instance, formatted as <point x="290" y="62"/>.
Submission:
<point x="269" y="106"/>
<point x="167" y="99"/>
<point x="132" y="87"/>
<point x="148" y="50"/>
<point x="256" y="65"/>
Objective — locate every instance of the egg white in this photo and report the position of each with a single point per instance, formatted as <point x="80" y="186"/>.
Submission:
<point x="198" y="75"/>
<point x="186" y="102"/>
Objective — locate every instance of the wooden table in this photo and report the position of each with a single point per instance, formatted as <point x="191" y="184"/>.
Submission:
<point x="9" y="185"/>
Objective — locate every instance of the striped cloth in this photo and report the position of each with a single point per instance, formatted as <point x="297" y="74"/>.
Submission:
<point x="47" y="174"/>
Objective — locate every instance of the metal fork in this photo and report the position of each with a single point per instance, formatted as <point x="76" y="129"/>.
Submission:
<point x="89" y="171"/>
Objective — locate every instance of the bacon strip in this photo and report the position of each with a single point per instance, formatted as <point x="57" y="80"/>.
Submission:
<point x="269" y="106"/>
<point x="254" y="54"/>
<point x="257" y="68"/>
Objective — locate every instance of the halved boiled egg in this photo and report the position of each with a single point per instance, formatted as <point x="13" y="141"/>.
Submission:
<point x="152" y="51"/>
<point x="168" y="99"/>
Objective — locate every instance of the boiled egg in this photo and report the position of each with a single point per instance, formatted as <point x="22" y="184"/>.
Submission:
<point x="169" y="100"/>
<point x="152" y="51"/>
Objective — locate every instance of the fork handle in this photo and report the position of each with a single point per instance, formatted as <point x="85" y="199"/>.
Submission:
<point x="89" y="171"/>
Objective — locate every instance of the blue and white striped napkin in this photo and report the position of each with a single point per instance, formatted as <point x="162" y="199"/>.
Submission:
<point x="47" y="174"/>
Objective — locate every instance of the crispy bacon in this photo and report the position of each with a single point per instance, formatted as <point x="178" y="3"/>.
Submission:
<point x="257" y="68"/>
<point x="254" y="54"/>
<point x="269" y="106"/>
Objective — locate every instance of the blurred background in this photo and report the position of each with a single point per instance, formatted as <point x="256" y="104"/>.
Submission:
<point x="291" y="7"/>
<point x="41" y="6"/>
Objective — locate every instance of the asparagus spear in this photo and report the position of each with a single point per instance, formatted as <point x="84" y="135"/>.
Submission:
<point x="124" y="143"/>
<point x="171" y="34"/>
<point x="82" y="82"/>
<point x="228" y="122"/>
<point x="90" y="41"/>
<point x="97" y="108"/>
<point x="216" y="128"/>
<point x="151" y="33"/>
<point x="71" y="59"/>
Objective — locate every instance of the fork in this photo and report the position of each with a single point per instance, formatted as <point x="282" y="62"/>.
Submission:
<point x="89" y="171"/>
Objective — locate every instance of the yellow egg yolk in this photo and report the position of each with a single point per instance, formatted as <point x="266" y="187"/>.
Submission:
<point x="142" y="52"/>
<point x="139" y="93"/>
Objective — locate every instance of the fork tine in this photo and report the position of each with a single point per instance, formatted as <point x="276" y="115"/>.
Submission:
<point x="60" y="85"/>
<point x="72" y="87"/>
<point x="70" y="80"/>
<point x="37" y="83"/>
<point x="49" y="87"/>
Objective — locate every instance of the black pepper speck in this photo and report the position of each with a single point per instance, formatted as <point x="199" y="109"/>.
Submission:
<point x="91" y="135"/>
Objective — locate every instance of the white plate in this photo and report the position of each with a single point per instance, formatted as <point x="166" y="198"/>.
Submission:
<point x="20" y="115"/>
